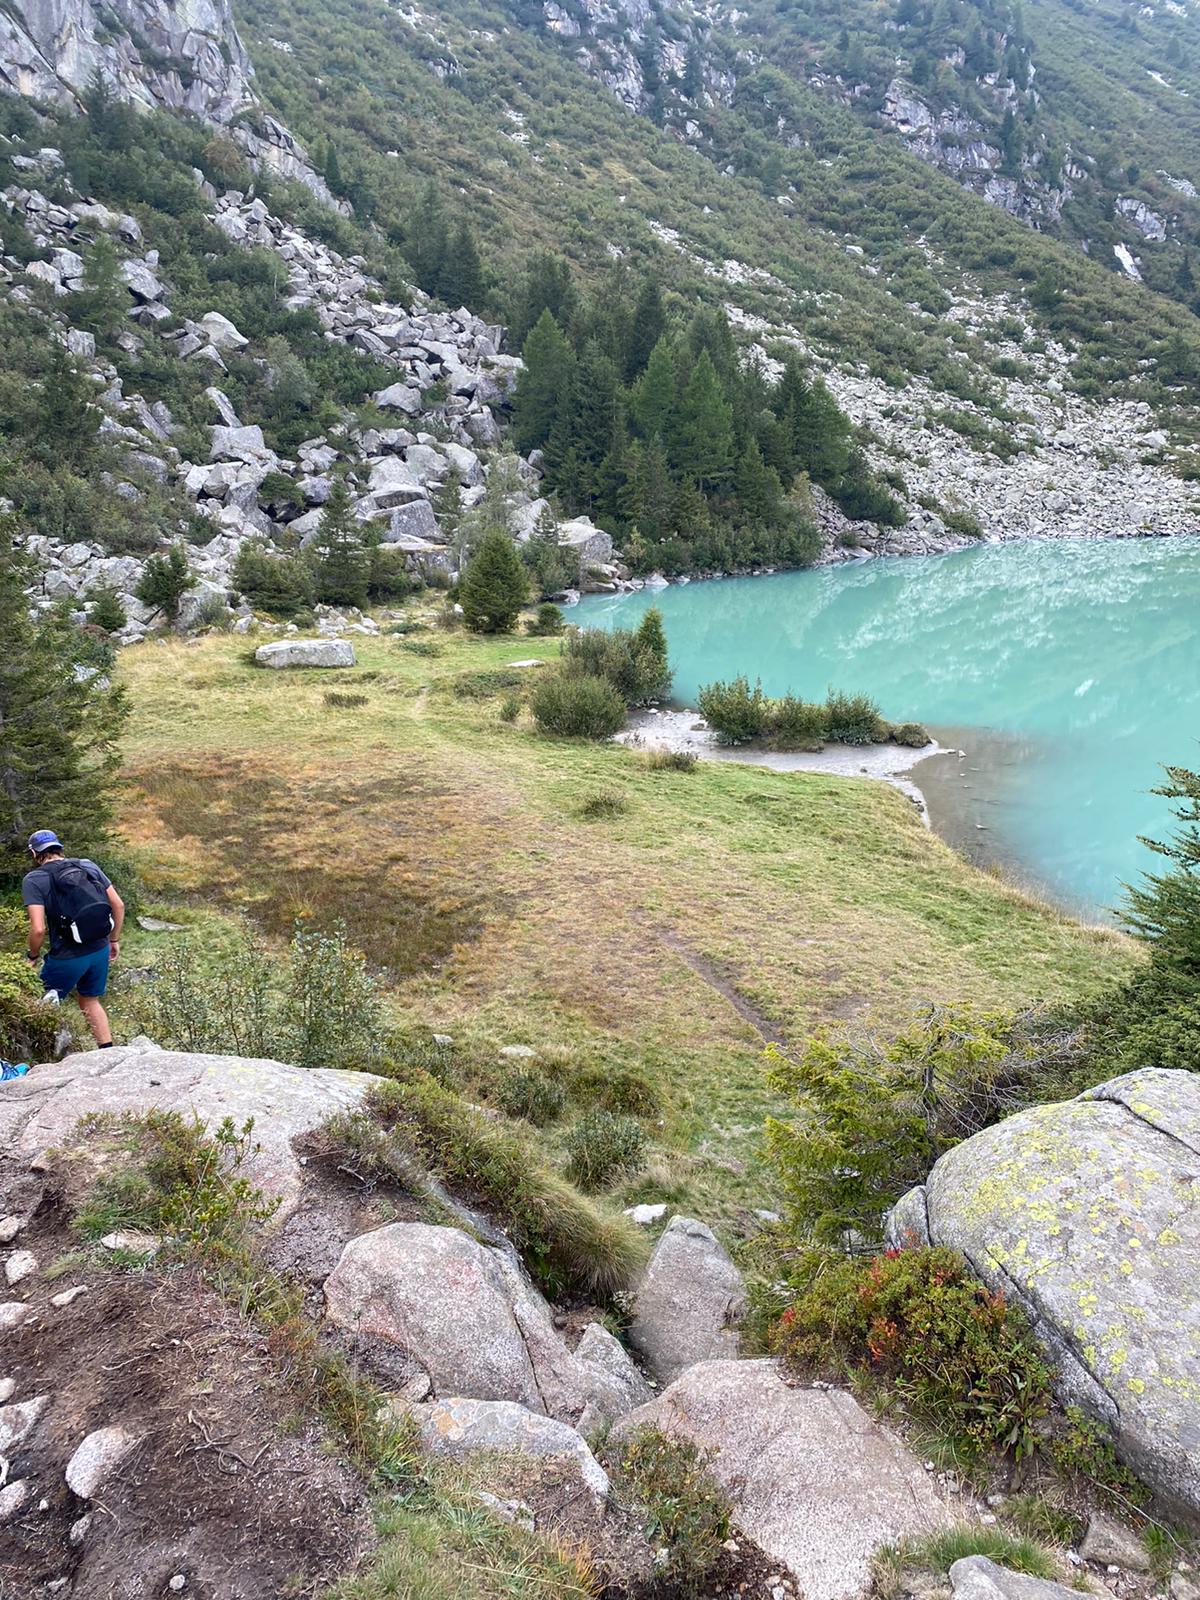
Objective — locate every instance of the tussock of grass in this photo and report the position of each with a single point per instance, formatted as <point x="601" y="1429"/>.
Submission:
<point x="940" y="1551"/>
<point x="570" y="1243"/>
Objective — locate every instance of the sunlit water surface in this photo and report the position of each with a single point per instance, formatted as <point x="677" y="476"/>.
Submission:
<point x="1067" y="673"/>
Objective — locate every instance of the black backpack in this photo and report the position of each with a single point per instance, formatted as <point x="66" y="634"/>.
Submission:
<point x="79" y="905"/>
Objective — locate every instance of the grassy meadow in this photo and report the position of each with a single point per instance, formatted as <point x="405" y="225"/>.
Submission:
<point x="514" y="889"/>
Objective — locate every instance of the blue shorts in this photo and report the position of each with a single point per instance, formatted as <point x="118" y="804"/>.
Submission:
<point x="88" y="974"/>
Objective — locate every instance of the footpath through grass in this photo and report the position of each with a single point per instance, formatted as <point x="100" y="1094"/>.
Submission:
<point x="567" y="896"/>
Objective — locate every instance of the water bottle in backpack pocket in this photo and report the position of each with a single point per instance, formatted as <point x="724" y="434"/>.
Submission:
<point x="80" y="906"/>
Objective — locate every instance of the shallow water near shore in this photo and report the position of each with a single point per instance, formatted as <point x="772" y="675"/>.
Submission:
<point x="1066" y="672"/>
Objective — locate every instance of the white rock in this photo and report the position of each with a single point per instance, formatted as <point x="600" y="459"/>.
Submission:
<point x="645" y="1215"/>
<point x="13" y="1498"/>
<point x="13" y="1313"/>
<point x="19" y="1266"/>
<point x="219" y="331"/>
<point x="458" y="1427"/>
<point x="68" y="1295"/>
<point x="306" y="653"/>
<point x="10" y="1227"/>
<point x="100" y="1454"/>
<point x="18" y="1421"/>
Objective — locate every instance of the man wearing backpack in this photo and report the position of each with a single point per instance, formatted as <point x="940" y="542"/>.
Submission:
<point x="76" y="906"/>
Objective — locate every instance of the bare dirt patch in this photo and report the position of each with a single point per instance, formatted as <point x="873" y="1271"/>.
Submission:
<point x="227" y="1485"/>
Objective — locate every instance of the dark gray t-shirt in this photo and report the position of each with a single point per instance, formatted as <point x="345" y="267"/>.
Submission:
<point x="36" y="891"/>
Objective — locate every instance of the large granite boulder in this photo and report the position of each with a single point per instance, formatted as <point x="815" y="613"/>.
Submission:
<point x="306" y="653"/>
<point x="977" y="1578"/>
<point x="40" y="1111"/>
<point x="1085" y="1214"/>
<point x="467" y="1313"/>
<point x="458" y="1427"/>
<point x="688" y="1302"/>
<point x="813" y="1479"/>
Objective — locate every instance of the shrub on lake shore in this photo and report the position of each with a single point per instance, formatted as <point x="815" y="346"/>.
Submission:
<point x="577" y="706"/>
<point x="738" y="713"/>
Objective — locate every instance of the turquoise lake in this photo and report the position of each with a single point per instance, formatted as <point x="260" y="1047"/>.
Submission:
<point x="1067" y="673"/>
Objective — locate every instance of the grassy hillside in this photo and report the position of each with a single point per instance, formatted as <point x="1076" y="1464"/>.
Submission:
<point x="521" y="890"/>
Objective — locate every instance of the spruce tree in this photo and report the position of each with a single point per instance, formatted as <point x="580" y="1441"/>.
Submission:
<point x="650" y="641"/>
<point x="552" y="566"/>
<point x="544" y="386"/>
<point x="648" y="495"/>
<point x="494" y="585"/>
<point x="652" y="403"/>
<point x="462" y="282"/>
<point x="704" y="433"/>
<point x="102" y="306"/>
<point x="58" y="726"/>
<point x="164" y="582"/>
<point x="546" y="286"/>
<point x="106" y="611"/>
<point x="756" y="487"/>
<point x="341" y="560"/>
<point x="1165" y="907"/>
<point x="647" y="328"/>
<point x="427" y="241"/>
<point x="596" y="418"/>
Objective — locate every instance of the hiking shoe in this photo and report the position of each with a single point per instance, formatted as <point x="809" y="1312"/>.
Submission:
<point x="50" y="998"/>
<point x="12" y="1069"/>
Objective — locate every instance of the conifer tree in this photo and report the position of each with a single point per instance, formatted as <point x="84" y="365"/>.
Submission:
<point x="164" y="582"/>
<point x="650" y="641"/>
<point x="596" y="416"/>
<point x="704" y="433"/>
<point x="545" y="286"/>
<point x="652" y="403"/>
<point x="544" y="386"/>
<point x="551" y="565"/>
<point x="461" y="280"/>
<point x="65" y="419"/>
<point x="106" y="611"/>
<point x="103" y="304"/>
<point x="341" y="560"/>
<point x="333" y="167"/>
<point x="427" y="241"/>
<point x="58" y="727"/>
<point x="756" y="487"/>
<point x="648" y="495"/>
<point x="494" y="585"/>
<point x="647" y="328"/>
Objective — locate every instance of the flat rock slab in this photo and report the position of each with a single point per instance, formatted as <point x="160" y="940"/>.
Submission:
<point x="306" y="653"/>
<point x="1085" y="1214"/>
<point x="41" y="1110"/>
<point x="817" y="1484"/>
<point x="977" y="1578"/>
<point x="458" y="1427"/>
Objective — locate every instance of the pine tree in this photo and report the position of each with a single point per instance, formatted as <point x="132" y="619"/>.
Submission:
<point x="552" y="566"/>
<point x="650" y="640"/>
<point x="818" y="432"/>
<point x="1165" y="907"/>
<point x="341" y="560"/>
<point x="647" y="328"/>
<point x="102" y="306"/>
<point x="164" y="582"/>
<point x="704" y="450"/>
<point x="333" y="168"/>
<point x="427" y="241"/>
<point x="64" y="418"/>
<point x="544" y="387"/>
<point x="494" y="586"/>
<point x="58" y="727"/>
<point x="461" y="282"/>
<point x="756" y="488"/>
<point x="652" y="403"/>
<point x="648" y="496"/>
<point x="596" y="417"/>
<point x="546" y="286"/>
<point x="106" y="611"/>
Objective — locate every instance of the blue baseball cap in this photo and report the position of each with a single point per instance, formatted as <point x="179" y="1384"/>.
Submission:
<point x="43" y="839"/>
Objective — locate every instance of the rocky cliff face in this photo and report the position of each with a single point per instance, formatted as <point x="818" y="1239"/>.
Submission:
<point x="180" y="55"/>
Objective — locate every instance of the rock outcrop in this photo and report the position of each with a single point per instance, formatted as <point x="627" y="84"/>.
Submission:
<point x="814" y="1481"/>
<point x="688" y="1302"/>
<point x="459" y="1427"/>
<point x="1084" y="1214"/>
<point x="286" y="653"/>
<point x="40" y="1111"/>
<point x="977" y="1578"/>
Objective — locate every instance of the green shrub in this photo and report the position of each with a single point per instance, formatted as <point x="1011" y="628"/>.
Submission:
<point x="603" y="1146"/>
<point x="687" y="1512"/>
<point x="164" y="582"/>
<point x="280" y="585"/>
<point x="28" y="1028"/>
<point x="853" y="719"/>
<point x="486" y="683"/>
<point x="602" y="805"/>
<point x="569" y="1243"/>
<point x="795" y="724"/>
<point x="106" y="611"/>
<point x="873" y="1116"/>
<point x="670" y="760"/>
<point x="494" y="585"/>
<point x="912" y="734"/>
<point x="917" y="1323"/>
<point x="963" y="522"/>
<point x="510" y="708"/>
<point x="634" y="662"/>
<point x="577" y="707"/>
<point x="547" y="622"/>
<point x="734" y="711"/>
<point x="617" y="1089"/>
<point x="339" y="700"/>
<point x="420" y="647"/>
<point x="531" y="1095"/>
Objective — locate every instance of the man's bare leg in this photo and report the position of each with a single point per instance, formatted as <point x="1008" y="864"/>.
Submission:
<point x="96" y="1017"/>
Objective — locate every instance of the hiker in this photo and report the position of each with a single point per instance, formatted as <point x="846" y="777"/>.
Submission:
<point x="76" y="905"/>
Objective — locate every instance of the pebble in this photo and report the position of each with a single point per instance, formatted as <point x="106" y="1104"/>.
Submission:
<point x="443" y="1039"/>
<point x="12" y="1499"/>
<point x="520" y="1052"/>
<point x="177" y="1584"/>
<point x="18" y="1421"/>
<point x="645" y="1215"/>
<point x="8" y="1387"/>
<point x="65" y="1298"/>
<point x="10" y="1227"/>
<point x="141" y="1244"/>
<point x="19" y="1266"/>
<point x="78" y="1531"/>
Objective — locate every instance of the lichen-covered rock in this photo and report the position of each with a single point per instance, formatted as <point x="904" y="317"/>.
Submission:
<point x="459" y="1427"/>
<point x="97" y="1458"/>
<point x="977" y="1578"/>
<point x="1085" y="1214"/>
<point x="688" y="1302"/>
<point x="817" y="1484"/>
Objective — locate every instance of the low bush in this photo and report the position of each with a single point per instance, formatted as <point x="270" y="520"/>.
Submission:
<point x="604" y="1146"/>
<point x="575" y="706"/>
<point x="734" y="711"/>
<point x="633" y="661"/>
<point x="873" y="1116"/>
<point x="569" y="1243"/>
<point x="617" y="1089"/>
<point x="546" y="621"/>
<point x="420" y="647"/>
<point x="602" y="805"/>
<point x="670" y="760"/>
<point x="853" y="719"/>
<point x="950" y="1349"/>
<point x="738" y="713"/>
<point x="339" y="700"/>
<point x="913" y="735"/>
<point x="28" y="1028"/>
<point x="510" y="708"/>
<point x="278" y="584"/>
<point x="795" y="724"/>
<point x="687" y="1512"/>
<point x="485" y="684"/>
<point x="531" y="1095"/>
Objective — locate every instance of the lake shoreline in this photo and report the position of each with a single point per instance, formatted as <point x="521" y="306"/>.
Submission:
<point x="685" y="731"/>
